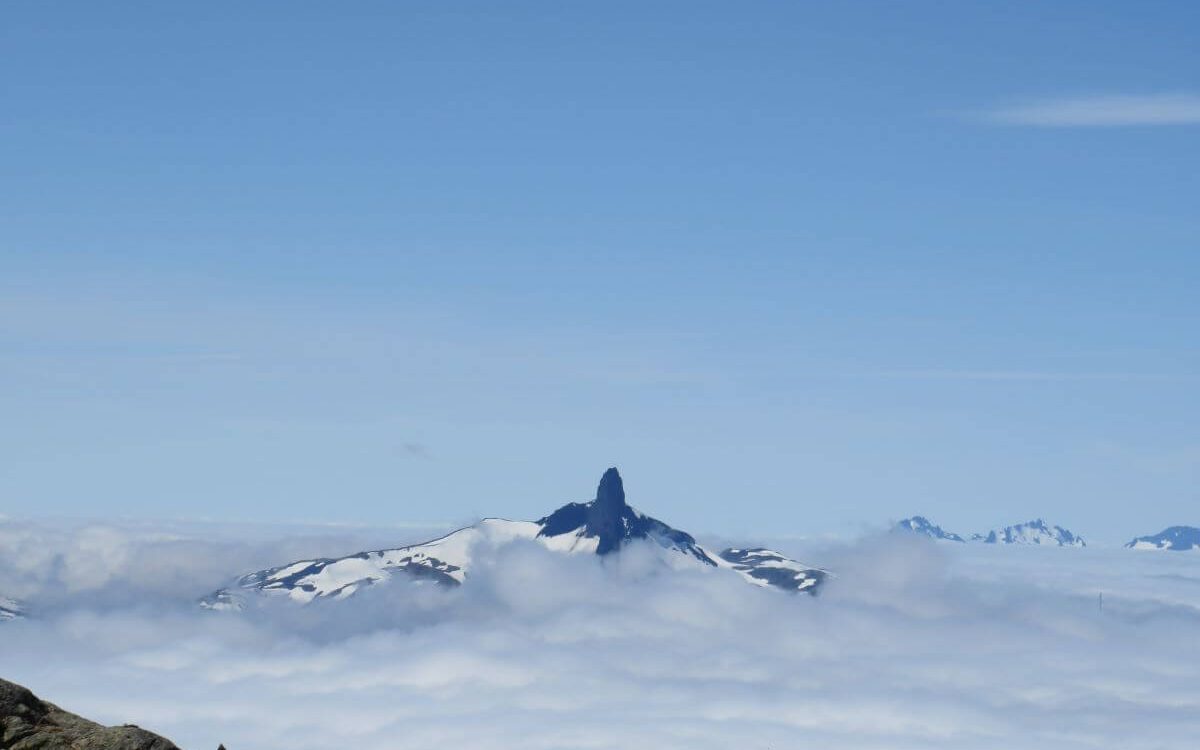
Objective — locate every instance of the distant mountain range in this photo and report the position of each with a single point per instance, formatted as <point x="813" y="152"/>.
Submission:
<point x="600" y="526"/>
<point x="1174" y="538"/>
<point x="1031" y="532"/>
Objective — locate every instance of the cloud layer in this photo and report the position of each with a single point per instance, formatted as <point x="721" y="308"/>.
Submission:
<point x="1101" y="111"/>
<point x="913" y="645"/>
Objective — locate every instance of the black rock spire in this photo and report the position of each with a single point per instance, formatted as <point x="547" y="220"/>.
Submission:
<point x="605" y="516"/>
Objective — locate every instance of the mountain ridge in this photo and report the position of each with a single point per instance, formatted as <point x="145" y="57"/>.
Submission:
<point x="1035" y="532"/>
<point x="1173" y="538"/>
<point x="601" y="526"/>
<point x="923" y="526"/>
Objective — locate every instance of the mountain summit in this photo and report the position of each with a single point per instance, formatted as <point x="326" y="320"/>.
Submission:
<point x="606" y="523"/>
<point x="608" y="515"/>
<point x="1036" y="531"/>
<point x="600" y="526"/>
<point x="924" y="527"/>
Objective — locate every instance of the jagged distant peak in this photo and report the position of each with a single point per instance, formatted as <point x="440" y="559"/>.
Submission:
<point x="1036" y="531"/>
<point x="923" y="526"/>
<point x="1173" y="538"/>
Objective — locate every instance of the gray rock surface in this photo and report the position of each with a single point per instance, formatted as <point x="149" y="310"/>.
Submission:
<point x="29" y="723"/>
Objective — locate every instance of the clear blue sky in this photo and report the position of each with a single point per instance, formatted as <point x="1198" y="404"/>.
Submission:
<point x="794" y="267"/>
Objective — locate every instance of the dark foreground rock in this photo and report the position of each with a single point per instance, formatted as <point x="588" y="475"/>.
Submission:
<point x="29" y="723"/>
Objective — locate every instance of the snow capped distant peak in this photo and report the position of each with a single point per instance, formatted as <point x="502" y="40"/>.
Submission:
<point x="1174" y="538"/>
<point x="1031" y="532"/>
<point x="923" y="526"/>
<point x="600" y="526"/>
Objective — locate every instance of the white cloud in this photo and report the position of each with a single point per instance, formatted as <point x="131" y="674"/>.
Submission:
<point x="913" y="646"/>
<point x="1101" y="111"/>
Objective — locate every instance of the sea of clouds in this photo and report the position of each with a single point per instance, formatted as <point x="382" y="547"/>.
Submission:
<point x="913" y="645"/>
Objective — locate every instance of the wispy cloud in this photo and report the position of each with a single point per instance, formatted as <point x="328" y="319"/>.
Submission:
<point x="1102" y="111"/>
<point x="1021" y="376"/>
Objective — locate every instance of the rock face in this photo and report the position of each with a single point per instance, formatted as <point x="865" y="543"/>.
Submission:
<point x="29" y="723"/>
<point x="1174" y="538"/>
<point x="607" y="523"/>
<point x="600" y="526"/>
<point x="767" y="566"/>
<point x="923" y="526"/>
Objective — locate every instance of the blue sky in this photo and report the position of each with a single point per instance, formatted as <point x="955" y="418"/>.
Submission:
<point x="797" y="268"/>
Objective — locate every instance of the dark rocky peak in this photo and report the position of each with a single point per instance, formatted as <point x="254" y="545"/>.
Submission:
<point x="606" y="514"/>
<point x="611" y="492"/>
<point x="611" y="522"/>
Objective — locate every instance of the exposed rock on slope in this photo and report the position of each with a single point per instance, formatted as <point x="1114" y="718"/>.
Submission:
<point x="1175" y="538"/>
<point x="28" y="723"/>
<point x="600" y="526"/>
<point x="1031" y="532"/>
<point x="923" y="526"/>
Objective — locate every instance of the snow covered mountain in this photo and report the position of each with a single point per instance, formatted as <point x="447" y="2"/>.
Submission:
<point x="600" y="526"/>
<point x="1176" y="538"/>
<point x="10" y="609"/>
<point x="923" y="526"/>
<point x="1032" y="532"/>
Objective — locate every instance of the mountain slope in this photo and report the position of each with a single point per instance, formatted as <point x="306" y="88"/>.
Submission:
<point x="1032" y="532"/>
<point x="1174" y="538"/>
<point x="923" y="526"/>
<point x="29" y="723"/>
<point x="601" y="526"/>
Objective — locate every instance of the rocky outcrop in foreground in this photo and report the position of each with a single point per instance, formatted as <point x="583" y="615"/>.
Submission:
<point x="29" y="723"/>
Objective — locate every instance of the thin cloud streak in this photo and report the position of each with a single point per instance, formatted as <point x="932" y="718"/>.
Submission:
<point x="1102" y="111"/>
<point x="1022" y="376"/>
